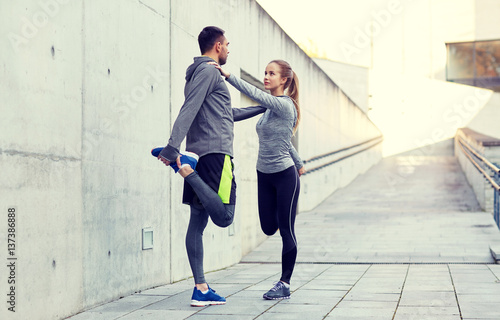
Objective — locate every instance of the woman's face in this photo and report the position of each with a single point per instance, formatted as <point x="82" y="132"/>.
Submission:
<point x="272" y="77"/>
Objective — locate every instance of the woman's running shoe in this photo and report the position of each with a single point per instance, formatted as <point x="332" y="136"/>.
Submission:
<point x="278" y="292"/>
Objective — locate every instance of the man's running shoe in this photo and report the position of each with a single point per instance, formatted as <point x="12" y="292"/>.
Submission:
<point x="278" y="292"/>
<point x="187" y="158"/>
<point x="156" y="151"/>
<point x="200" y="299"/>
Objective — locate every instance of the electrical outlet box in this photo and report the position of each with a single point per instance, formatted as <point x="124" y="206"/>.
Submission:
<point x="147" y="238"/>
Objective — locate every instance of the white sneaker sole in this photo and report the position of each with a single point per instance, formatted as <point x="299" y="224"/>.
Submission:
<point x="277" y="298"/>
<point x="196" y="303"/>
<point x="190" y="154"/>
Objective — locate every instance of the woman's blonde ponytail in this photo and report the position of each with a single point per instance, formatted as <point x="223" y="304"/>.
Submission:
<point x="291" y="86"/>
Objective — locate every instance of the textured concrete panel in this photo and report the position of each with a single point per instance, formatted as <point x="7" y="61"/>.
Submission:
<point x="126" y="92"/>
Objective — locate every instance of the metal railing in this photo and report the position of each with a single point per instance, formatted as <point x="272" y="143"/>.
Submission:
<point x="376" y="141"/>
<point x="484" y="165"/>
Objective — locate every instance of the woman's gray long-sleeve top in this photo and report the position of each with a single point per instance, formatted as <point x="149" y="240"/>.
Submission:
<point x="274" y="128"/>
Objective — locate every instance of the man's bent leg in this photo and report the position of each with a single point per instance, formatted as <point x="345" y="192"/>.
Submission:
<point x="221" y="214"/>
<point x="194" y="242"/>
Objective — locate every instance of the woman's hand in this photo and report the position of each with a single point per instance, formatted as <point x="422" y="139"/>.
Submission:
<point x="302" y="171"/>
<point x="224" y="73"/>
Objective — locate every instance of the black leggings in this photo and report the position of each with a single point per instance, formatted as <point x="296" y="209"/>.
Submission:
<point x="278" y="194"/>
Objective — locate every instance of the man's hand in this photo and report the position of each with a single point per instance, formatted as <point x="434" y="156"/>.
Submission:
<point x="165" y="161"/>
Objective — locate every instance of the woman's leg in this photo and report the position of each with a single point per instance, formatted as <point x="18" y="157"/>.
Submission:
<point x="267" y="203"/>
<point x="288" y="188"/>
<point x="194" y="242"/>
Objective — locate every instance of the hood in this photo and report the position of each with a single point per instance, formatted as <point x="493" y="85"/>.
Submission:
<point x="197" y="61"/>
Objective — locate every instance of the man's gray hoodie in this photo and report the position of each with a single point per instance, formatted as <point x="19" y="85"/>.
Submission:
<point x="206" y="117"/>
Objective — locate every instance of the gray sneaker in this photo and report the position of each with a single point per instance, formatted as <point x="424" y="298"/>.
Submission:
<point x="278" y="292"/>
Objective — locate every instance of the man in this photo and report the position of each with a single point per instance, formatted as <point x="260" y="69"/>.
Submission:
<point x="206" y="119"/>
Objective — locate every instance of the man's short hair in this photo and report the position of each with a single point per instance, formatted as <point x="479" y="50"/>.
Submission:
<point x="208" y="37"/>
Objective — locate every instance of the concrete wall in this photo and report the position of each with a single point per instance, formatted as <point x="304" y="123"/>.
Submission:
<point x="486" y="120"/>
<point x="89" y="87"/>
<point x="352" y="79"/>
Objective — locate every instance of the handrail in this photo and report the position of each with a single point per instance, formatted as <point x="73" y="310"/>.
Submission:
<point x="480" y="157"/>
<point x="344" y="157"/>
<point x="340" y="150"/>
<point x="496" y="194"/>
<point x="485" y="174"/>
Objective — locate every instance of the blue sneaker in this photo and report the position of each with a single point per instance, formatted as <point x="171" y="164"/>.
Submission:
<point x="156" y="151"/>
<point x="200" y="299"/>
<point x="187" y="158"/>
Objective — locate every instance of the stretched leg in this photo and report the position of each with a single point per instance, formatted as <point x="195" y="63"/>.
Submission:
<point x="194" y="243"/>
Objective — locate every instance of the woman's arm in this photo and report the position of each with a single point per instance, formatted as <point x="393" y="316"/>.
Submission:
<point x="296" y="159"/>
<point x="281" y="106"/>
<point x="277" y="105"/>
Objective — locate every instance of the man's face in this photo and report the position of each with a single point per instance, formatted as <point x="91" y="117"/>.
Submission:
<point x="224" y="51"/>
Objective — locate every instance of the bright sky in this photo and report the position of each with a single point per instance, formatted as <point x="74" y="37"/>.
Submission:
<point x="327" y="23"/>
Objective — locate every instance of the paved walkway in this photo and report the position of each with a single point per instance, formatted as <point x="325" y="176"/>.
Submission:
<point x="406" y="240"/>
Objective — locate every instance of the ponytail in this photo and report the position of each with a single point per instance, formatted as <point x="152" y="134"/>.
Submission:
<point x="293" y="92"/>
<point x="291" y="86"/>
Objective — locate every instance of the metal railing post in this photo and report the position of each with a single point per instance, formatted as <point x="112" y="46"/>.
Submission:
<point x="496" y="201"/>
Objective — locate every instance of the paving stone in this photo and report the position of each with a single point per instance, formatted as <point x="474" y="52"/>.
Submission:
<point x="129" y="304"/>
<point x="158" y="315"/>
<point x="313" y="297"/>
<point x="428" y="299"/>
<point x="479" y="310"/>
<point x="420" y="313"/>
<point x="248" y="306"/>
<point x="92" y="315"/>
<point x="219" y="317"/>
<point x="361" y="313"/>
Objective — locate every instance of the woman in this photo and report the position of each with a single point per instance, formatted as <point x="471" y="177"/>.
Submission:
<point x="278" y="164"/>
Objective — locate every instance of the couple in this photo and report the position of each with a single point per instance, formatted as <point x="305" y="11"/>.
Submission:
<point x="206" y="119"/>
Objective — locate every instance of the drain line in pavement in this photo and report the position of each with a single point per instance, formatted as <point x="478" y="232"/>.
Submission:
<point x="369" y="263"/>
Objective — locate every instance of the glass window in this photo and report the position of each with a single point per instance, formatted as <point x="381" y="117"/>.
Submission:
<point x="488" y="59"/>
<point x="460" y="61"/>
<point x="474" y="63"/>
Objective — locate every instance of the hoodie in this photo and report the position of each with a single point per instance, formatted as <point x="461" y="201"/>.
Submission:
<point x="206" y="118"/>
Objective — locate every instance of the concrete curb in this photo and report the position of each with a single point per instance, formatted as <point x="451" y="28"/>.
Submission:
<point x="495" y="252"/>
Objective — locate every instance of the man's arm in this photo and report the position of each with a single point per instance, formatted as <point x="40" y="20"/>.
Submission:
<point x="240" y="114"/>
<point x="202" y="83"/>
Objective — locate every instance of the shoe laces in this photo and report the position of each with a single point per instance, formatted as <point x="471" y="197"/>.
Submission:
<point x="276" y="286"/>
<point x="210" y="289"/>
